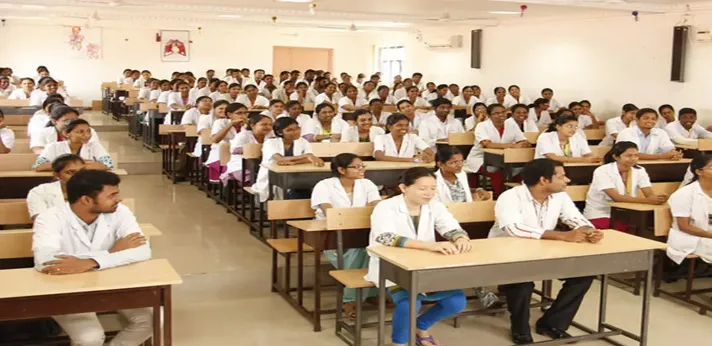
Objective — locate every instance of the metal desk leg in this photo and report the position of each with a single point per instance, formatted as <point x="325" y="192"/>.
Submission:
<point x="300" y="267"/>
<point x="317" y="286"/>
<point x="602" y="304"/>
<point x="167" y="316"/>
<point x="413" y="303"/>
<point x="381" y="305"/>
<point x="647" y="292"/>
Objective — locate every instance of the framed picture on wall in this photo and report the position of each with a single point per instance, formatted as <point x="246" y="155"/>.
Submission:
<point x="175" y="45"/>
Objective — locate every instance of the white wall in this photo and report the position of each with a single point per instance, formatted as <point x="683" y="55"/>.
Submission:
<point x="26" y="47"/>
<point x="608" y="61"/>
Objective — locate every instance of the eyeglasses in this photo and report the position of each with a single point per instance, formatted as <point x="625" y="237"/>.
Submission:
<point x="359" y="167"/>
<point x="570" y="127"/>
<point x="456" y="162"/>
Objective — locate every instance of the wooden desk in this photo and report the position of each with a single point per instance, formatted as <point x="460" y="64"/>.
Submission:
<point x="641" y="216"/>
<point x="463" y="141"/>
<point x="507" y="159"/>
<point x="139" y="285"/>
<point x="16" y="184"/>
<point x="509" y="260"/>
<point x="658" y="170"/>
<point x="305" y="176"/>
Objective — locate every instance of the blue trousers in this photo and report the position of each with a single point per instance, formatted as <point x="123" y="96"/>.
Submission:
<point x="448" y="304"/>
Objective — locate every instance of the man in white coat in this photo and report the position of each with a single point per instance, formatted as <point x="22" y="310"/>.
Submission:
<point x="48" y="195"/>
<point x="532" y="210"/>
<point x="94" y="231"/>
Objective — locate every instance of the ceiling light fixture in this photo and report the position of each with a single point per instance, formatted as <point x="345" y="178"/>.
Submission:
<point x="504" y="12"/>
<point x="296" y="1"/>
<point x="230" y="16"/>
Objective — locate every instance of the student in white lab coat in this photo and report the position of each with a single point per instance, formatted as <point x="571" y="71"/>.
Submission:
<point x="5" y="87"/>
<point x="27" y="85"/>
<point x="494" y="133"/>
<point x="368" y="91"/>
<point x="60" y="116"/>
<point x="400" y="91"/>
<point x="522" y="119"/>
<point x="125" y="77"/>
<point x="585" y="122"/>
<point x="410" y="220"/>
<point x="562" y="143"/>
<point x="533" y="210"/>
<point x="619" y="123"/>
<point x="379" y="115"/>
<point x="197" y="91"/>
<point x="324" y="126"/>
<point x="47" y="86"/>
<point x="295" y="110"/>
<point x="284" y="92"/>
<point x="276" y="108"/>
<point x="39" y="120"/>
<point x="442" y="91"/>
<point x="289" y="148"/>
<point x="301" y="94"/>
<point x="466" y="98"/>
<point x="667" y="116"/>
<point x="691" y="207"/>
<point x="163" y="85"/>
<point x="222" y="89"/>
<point x="414" y="118"/>
<point x="548" y="94"/>
<point x="479" y="114"/>
<point x="653" y="143"/>
<point x="515" y="96"/>
<point x="78" y="134"/>
<point x="347" y="188"/>
<point x="205" y="123"/>
<point x="586" y="105"/>
<point x="351" y="101"/>
<point x="268" y="88"/>
<point x="94" y="231"/>
<point x="417" y="80"/>
<point x="328" y="95"/>
<point x="384" y="95"/>
<point x="539" y="113"/>
<point x="363" y="131"/>
<point x="233" y="93"/>
<point x="419" y="103"/>
<point x="398" y="145"/>
<point x="453" y="186"/>
<point x="440" y="126"/>
<point x="618" y="180"/>
<point x="178" y="102"/>
<point x="7" y="136"/>
<point x="48" y="195"/>
<point x="225" y="127"/>
<point x="686" y="130"/>
<point x="259" y="129"/>
<point x="203" y="105"/>
<point x="499" y="96"/>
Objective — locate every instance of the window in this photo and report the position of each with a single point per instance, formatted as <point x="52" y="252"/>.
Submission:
<point x="391" y="62"/>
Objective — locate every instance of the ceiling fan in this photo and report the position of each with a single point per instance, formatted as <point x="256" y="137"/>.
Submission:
<point x="351" y="28"/>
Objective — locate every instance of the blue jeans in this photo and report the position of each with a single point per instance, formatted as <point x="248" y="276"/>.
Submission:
<point x="448" y="304"/>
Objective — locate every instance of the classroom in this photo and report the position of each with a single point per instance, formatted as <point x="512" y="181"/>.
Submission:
<point x="326" y="172"/>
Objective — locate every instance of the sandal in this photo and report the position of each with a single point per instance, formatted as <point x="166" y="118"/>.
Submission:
<point x="419" y="341"/>
<point x="349" y="310"/>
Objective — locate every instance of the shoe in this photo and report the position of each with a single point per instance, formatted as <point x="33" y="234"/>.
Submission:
<point x="551" y="332"/>
<point x="522" y="339"/>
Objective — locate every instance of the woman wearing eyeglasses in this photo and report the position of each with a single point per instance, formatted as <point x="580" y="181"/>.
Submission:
<point x="562" y="143"/>
<point x="347" y="188"/>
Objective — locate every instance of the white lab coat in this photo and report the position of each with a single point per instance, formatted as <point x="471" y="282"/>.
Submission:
<point x="548" y="143"/>
<point x="58" y="231"/>
<point x="554" y="105"/>
<point x="515" y="214"/>
<point x="510" y="101"/>
<point x="486" y="131"/>
<point x="7" y="137"/>
<point x="313" y="126"/>
<point x="269" y="148"/>
<point x="323" y="97"/>
<point x="92" y="151"/>
<point x="164" y="96"/>
<point x="302" y="119"/>
<point x="431" y="129"/>
<point x="37" y="122"/>
<point x="350" y="134"/>
<point x="44" y="196"/>
<point x="443" y="192"/>
<point x="583" y="121"/>
<point x="175" y="99"/>
<point x="154" y="95"/>
<point x="18" y="94"/>
<point x="660" y="142"/>
<point x="37" y="98"/>
<point x="368" y="96"/>
<point x="529" y="126"/>
<point x="205" y="121"/>
<point x="240" y="140"/>
<point x="607" y="177"/>
<point x="308" y="98"/>
<point x="391" y="217"/>
<point x="410" y="144"/>
<point x="613" y="126"/>
<point x="383" y="119"/>
<point x="680" y="135"/>
<point x="390" y="99"/>
<point x="219" y="125"/>
<point x="689" y="201"/>
<point x="544" y="119"/>
<point x="345" y="101"/>
<point x="419" y="102"/>
<point x="332" y="192"/>
<point x="191" y="116"/>
<point x="47" y="135"/>
<point x="493" y="100"/>
<point x="460" y="101"/>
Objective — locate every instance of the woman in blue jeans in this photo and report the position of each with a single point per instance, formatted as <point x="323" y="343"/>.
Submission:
<point x="410" y="220"/>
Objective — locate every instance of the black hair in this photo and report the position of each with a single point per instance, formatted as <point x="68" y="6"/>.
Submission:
<point x="417" y="74"/>
<point x="617" y="150"/>
<point x="408" y="89"/>
<point x="376" y="100"/>
<point x="442" y="86"/>
<point x="53" y="98"/>
<point x="321" y="106"/>
<point x="89" y="183"/>
<point x="546" y="89"/>
<point x="232" y="85"/>
<point x="349" y="87"/>
<point x="248" y="86"/>
<point x="540" y="101"/>
<point x="275" y="101"/>
<point x="402" y="102"/>
<point x="60" y="111"/>
<point x="574" y="104"/>
<point x="497" y="88"/>
<point x="491" y="107"/>
<point x="411" y="175"/>
<point x="660" y="109"/>
<point x="290" y="104"/>
<point x="537" y="169"/>
<point x="698" y="162"/>
<point x="561" y="121"/>
<point x="233" y="107"/>
<point x="202" y="98"/>
<point x="586" y="102"/>
<point x="395" y="118"/>
<point x="255" y="118"/>
<point x="136" y="71"/>
<point x="466" y="87"/>
<point x="302" y="83"/>
<point x="360" y="112"/>
<point x="145" y="71"/>
<point x="342" y="160"/>
<point x="687" y="110"/>
<point x="644" y="111"/>
<point x="74" y="123"/>
<point x="629" y="107"/>
<point x="222" y="82"/>
<point x="282" y="123"/>
<point x="519" y="105"/>
<point x="62" y="161"/>
<point x="219" y="103"/>
<point x="2" y="115"/>
<point x="440" y="101"/>
<point x="478" y="104"/>
<point x="295" y="71"/>
<point x="445" y="152"/>
<point x="513" y="86"/>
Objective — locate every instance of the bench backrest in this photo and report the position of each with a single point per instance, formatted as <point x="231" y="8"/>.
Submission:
<point x="467" y="138"/>
<point x="595" y="134"/>
<point x="333" y="149"/>
<point x="290" y="209"/>
<point x="17" y="119"/>
<point x="14" y="212"/>
<point x="146" y="106"/>
<point x="252" y="151"/>
<point x="166" y="129"/>
<point x="24" y="162"/>
<point x="22" y="146"/>
<point x="14" y="103"/>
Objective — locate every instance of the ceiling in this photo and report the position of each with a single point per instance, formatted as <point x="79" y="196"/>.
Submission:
<point x="404" y="15"/>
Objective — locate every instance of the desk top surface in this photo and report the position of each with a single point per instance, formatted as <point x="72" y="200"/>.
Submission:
<point x="370" y="165"/>
<point x="510" y="250"/>
<point x="309" y="225"/>
<point x="639" y="206"/>
<point x="641" y="162"/>
<point x="29" y="282"/>
<point x="33" y="174"/>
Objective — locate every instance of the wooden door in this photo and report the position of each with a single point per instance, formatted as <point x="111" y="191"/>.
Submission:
<point x="301" y="58"/>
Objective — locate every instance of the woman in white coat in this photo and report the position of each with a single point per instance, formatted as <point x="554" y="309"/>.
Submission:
<point x="48" y="195"/>
<point x="258" y="130"/>
<point x="347" y="188"/>
<point x="562" y="143"/>
<point x="328" y="96"/>
<point x="351" y="102"/>
<point x="691" y="232"/>
<point x="363" y="131"/>
<point x="410" y="220"/>
<point x="78" y="134"/>
<point x="60" y="116"/>
<point x="658" y="146"/>
<point x="539" y="114"/>
<point x="380" y="117"/>
<point x="324" y="126"/>
<point x="479" y="114"/>
<point x="289" y="148"/>
<point x="224" y="129"/>
<point x="252" y="99"/>
<point x="39" y="120"/>
<point x="515" y="96"/>
<point x="522" y="119"/>
<point x="295" y="111"/>
<point x="499" y="96"/>
<point x="178" y="102"/>
<point x="400" y="146"/>
<point x="27" y="85"/>
<point x="467" y="98"/>
<point x="494" y="133"/>
<point x="618" y="180"/>
<point x="617" y="124"/>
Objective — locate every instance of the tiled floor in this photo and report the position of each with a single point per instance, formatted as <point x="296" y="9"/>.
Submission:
<point x="225" y="298"/>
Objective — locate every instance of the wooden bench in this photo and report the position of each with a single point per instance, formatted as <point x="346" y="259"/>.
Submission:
<point x="354" y="279"/>
<point x="329" y="150"/>
<point x="22" y="146"/>
<point x="24" y="162"/>
<point x="17" y="183"/>
<point x="15" y="211"/>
